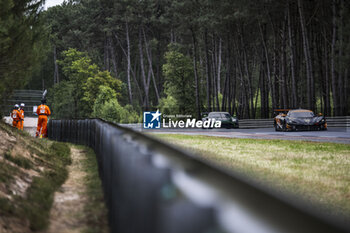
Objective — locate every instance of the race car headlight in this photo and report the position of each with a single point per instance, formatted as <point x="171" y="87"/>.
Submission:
<point x="234" y="119"/>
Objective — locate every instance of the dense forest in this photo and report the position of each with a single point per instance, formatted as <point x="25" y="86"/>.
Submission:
<point x="23" y="43"/>
<point x="115" y="58"/>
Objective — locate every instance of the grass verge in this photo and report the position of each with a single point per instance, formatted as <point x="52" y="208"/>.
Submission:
<point x="95" y="208"/>
<point x="319" y="172"/>
<point x="40" y="194"/>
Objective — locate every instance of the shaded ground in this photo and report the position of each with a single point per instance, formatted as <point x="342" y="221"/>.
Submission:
<point x="78" y="205"/>
<point x="67" y="213"/>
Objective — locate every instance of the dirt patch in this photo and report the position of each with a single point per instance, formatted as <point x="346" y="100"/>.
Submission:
<point x="67" y="213"/>
<point x="6" y="142"/>
<point x="14" y="225"/>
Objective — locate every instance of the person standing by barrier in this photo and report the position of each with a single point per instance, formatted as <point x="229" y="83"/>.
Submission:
<point x="43" y="112"/>
<point x="15" y="115"/>
<point x="21" y="121"/>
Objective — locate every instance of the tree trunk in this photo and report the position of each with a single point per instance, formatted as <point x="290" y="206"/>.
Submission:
<point x="283" y="65"/>
<point x="194" y="43"/>
<point x="112" y="55"/>
<point x="270" y="84"/>
<point x="129" y="69"/>
<point x="327" y="99"/>
<point x="340" y="69"/>
<point x="292" y="61"/>
<point x="219" y="66"/>
<point x="149" y="57"/>
<point x="129" y="61"/>
<point x="214" y="69"/>
<point x="143" y="74"/>
<point x="207" y="71"/>
<point x="309" y="70"/>
<point x="333" y="75"/>
<point x="56" y="78"/>
<point x="106" y="53"/>
<point x="249" y="94"/>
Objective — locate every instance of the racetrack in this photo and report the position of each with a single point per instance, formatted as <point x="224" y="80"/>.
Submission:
<point x="337" y="135"/>
<point x="333" y="134"/>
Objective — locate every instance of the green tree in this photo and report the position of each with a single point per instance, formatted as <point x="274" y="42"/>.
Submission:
<point x="60" y="100"/>
<point x="92" y="87"/>
<point x="179" y="79"/>
<point x="107" y="107"/>
<point x="22" y="39"/>
<point x="83" y="79"/>
<point x="168" y="105"/>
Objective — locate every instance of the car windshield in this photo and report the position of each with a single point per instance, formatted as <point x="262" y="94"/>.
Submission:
<point x="214" y="115"/>
<point x="226" y="116"/>
<point x="301" y="114"/>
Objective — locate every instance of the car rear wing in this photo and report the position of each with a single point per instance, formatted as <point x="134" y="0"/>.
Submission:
<point x="279" y="111"/>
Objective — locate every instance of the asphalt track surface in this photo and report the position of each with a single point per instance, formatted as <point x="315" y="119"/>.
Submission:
<point x="336" y="135"/>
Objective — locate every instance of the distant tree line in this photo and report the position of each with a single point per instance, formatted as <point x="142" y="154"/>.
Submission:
<point x="244" y="57"/>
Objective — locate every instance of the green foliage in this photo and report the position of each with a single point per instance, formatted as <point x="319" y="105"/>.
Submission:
<point x="76" y="96"/>
<point x="105" y="94"/>
<point x="179" y="80"/>
<point x="19" y="160"/>
<point x="107" y="107"/>
<point x="60" y="100"/>
<point x="168" y="105"/>
<point x="101" y="79"/>
<point x="77" y="66"/>
<point x="21" y="42"/>
<point x="62" y="151"/>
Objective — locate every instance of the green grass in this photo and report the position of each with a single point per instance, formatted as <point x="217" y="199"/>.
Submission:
<point x="319" y="172"/>
<point x="40" y="194"/>
<point x="7" y="172"/>
<point x="53" y="157"/>
<point x="95" y="209"/>
<point x="20" y="161"/>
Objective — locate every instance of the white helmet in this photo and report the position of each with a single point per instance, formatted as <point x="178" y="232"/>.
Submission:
<point x="22" y="105"/>
<point x="16" y="106"/>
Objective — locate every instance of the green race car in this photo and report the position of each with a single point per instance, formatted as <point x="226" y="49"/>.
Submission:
<point x="227" y="121"/>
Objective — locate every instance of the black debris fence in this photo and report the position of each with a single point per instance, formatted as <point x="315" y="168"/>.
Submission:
<point x="151" y="187"/>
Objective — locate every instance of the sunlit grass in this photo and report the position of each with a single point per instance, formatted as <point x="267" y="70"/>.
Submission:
<point x="319" y="172"/>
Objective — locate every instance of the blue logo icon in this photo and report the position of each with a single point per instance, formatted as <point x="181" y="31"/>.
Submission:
<point x="151" y="120"/>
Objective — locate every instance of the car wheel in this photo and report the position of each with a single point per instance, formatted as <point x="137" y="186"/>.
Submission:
<point x="284" y="127"/>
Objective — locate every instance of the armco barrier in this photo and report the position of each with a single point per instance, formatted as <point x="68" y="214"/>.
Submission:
<point x="151" y="187"/>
